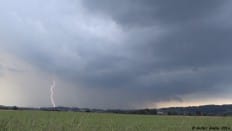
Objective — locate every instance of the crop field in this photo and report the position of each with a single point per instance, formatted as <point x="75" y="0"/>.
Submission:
<point x="75" y="121"/>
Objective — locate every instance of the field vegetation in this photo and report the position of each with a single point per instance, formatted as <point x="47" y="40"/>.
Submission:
<point x="76" y="121"/>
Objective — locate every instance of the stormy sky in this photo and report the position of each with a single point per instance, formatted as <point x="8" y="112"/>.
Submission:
<point x="116" y="53"/>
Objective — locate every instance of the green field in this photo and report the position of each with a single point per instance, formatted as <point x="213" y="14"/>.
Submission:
<point x="74" y="121"/>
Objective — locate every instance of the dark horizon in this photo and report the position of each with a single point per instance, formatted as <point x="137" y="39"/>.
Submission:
<point x="59" y="106"/>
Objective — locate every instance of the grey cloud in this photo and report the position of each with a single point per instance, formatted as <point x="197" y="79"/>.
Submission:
<point x="151" y="12"/>
<point x="5" y="68"/>
<point x="171" y="49"/>
<point x="1" y="70"/>
<point x="196" y="46"/>
<point x="193" y="42"/>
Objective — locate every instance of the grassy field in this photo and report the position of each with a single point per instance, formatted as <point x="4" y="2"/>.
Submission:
<point x="73" y="121"/>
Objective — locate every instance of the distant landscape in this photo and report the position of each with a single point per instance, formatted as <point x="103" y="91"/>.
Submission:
<point x="204" y="110"/>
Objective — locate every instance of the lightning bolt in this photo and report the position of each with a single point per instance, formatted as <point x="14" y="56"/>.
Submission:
<point x="52" y="87"/>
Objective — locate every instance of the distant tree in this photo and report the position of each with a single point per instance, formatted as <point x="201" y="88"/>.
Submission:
<point x="172" y="113"/>
<point x="14" y="108"/>
<point x="153" y="111"/>
<point x="87" y="110"/>
<point x="198" y="113"/>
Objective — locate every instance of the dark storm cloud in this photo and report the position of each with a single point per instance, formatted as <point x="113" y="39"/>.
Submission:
<point x="194" y="41"/>
<point x="167" y="49"/>
<point x="200" y="45"/>
<point x="150" y="12"/>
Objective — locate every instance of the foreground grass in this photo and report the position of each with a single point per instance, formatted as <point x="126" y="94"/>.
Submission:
<point x="73" y="121"/>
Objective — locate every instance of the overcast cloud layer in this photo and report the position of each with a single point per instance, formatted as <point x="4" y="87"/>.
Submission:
<point x="115" y="54"/>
